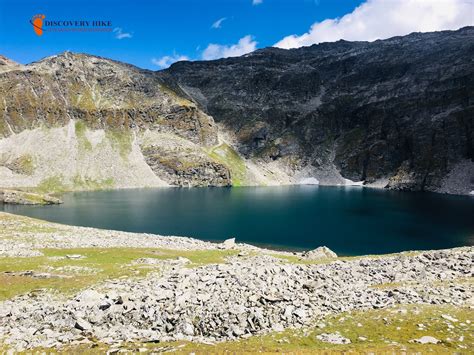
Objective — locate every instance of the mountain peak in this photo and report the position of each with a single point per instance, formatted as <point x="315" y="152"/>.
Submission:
<point x="7" y="64"/>
<point x="68" y="61"/>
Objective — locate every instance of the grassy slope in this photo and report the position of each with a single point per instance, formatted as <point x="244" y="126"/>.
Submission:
<point x="103" y="263"/>
<point x="227" y="156"/>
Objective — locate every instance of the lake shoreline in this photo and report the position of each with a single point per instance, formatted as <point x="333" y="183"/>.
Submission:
<point x="350" y="221"/>
<point x="236" y="290"/>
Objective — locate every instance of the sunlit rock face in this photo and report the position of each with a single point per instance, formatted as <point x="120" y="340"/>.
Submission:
<point x="77" y="121"/>
<point x="396" y="113"/>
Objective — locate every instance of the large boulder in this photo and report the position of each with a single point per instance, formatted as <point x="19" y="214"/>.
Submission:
<point x="319" y="253"/>
<point x="227" y="244"/>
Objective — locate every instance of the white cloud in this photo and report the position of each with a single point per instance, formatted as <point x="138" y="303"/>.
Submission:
<point x="378" y="19"/>
<point x="214" y="51"/>
<point x="218" y="23"/>
<point x="167" y="60"/>
<point x="119" y="34"/>
<point x="256" y="2"/>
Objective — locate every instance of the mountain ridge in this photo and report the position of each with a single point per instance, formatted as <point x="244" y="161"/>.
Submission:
<point x="394" y="113"/>
<point x="398" y="110"/>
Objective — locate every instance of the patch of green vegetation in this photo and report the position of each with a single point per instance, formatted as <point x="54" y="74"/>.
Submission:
<point x="436" y="283"/>
<point x="121" y="140"/>
<point x="397" y="327"/>
<point x="178" y="163"/>
<point x="51" y="184"/>
<point x="81" y="96"/>
<point x="227" y="156"/>
<point x="55" y="185"/>
<point x="35" y="198"/>
<point x="379" y="256"/>
<point x="84" y="143"/>
<point x="385" y="331"/>
<point x="293" y="259"/>
<point x="25" y="164"/>
<point x="36" y="228"/>
<point x="85" y="183"/>
<point x="203" y="257"/>
<point x="107" y="263"/>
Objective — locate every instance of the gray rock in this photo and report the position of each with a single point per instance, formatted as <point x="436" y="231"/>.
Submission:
<point x="82" y="325"/>
<point x="188" y="329"/>
<point x="228" y="243"/>
<point x="319" y="253"/>
<point x="333" y="338"/>
<point x="75" y="256"/>
<point x="89" y="297"/>
<point x="427" y="340"/>
<point x="184" y="260"/>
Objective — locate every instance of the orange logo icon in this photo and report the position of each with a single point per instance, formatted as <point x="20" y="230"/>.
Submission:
<point x="37" y="23"/>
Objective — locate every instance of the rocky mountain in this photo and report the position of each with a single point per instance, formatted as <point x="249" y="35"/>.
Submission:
<point x="395" y="113"/>
<point x="76" y="121"/>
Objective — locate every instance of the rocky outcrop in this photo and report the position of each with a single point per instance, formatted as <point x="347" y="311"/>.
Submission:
<point x="186" y="168"/>
<point x="398" y="111"/>
<point x="319" y="253"/>
<point x="101" y="93"/>
<point x="14" y="197"/>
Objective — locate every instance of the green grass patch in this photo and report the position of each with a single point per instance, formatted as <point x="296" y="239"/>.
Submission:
<point x="85" y="183"/>
<point x="84" y="144"/>
<point x="293" y="259"/>
<point x="34" y="198"/>
<point x="52" y="184"/>
<point x="107" y="263"/>
<point x="121" y="140"/>
<point x="25" y="164"/>
<point x="227" y="156"/>
<point x="81" y="96"/>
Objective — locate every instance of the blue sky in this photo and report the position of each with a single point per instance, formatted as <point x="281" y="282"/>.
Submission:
<point x="154" y="33"/>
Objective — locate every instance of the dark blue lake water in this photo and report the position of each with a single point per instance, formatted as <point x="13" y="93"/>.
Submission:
<point x="351" y="221"/>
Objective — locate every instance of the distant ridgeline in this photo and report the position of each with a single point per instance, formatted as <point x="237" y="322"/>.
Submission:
<point x="397" y="113"/>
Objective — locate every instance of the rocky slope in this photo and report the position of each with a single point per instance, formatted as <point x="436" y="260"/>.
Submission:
<point x="396" y="113"/>
<point x="249" y="291"/>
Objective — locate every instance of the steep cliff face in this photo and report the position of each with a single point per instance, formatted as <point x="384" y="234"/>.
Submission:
<point x="396" y="113"/>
